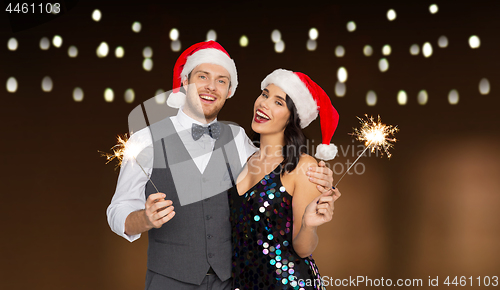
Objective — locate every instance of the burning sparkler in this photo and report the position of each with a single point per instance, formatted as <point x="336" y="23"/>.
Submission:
<point x="375" y="135"/>
<point x="125" y="150"/>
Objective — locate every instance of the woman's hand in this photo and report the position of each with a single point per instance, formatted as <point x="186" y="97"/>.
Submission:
<point x="320" y="210"/>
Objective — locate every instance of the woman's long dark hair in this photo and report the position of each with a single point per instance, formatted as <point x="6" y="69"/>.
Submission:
<point x="295" y="140"/>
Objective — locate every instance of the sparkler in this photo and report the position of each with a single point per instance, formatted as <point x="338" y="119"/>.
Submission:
<point x="375" y="135"/>
<point x="125" y="150"/>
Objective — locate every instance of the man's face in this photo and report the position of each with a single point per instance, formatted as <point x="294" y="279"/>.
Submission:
<point x="206" y="91"/>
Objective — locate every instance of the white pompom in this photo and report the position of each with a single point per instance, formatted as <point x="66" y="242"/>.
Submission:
<point x="176" y="100"/>
<point x="326" y="151"/>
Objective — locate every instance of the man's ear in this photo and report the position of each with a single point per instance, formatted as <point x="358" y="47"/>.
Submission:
<point x="228" y="94"/>
<point x="185" y="83"/>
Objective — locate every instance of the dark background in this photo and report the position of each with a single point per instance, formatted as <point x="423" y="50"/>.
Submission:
<point x="431" y="210"/>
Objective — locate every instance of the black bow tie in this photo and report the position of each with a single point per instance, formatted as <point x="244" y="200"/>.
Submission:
<point x="212" y="130"/>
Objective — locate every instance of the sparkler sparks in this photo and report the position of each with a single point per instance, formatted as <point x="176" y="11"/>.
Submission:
<point x="376" y="136"/>
<point x="125" y="150"/>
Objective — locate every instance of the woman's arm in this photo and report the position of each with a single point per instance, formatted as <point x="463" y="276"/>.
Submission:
<point x="310" y="209"/>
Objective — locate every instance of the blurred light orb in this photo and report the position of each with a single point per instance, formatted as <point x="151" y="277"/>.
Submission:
<point x="367" y="50"/>
<point x="57" y="41"/>
<point x="276" y="35"/>
<point x="342" y="74"/>
<point x="136" y="27"/>
<point x="11" y="85"/>
<point x="12" y="44"/>
<point x="211" y="35"/>
<point x="453" y="97"/>
<point x="47" y="84"/>
<point x="414" y="49"/>
<point x="422" y="97"/>
<point x="147" y="52"/>
<point x="339" y="51"/>
<point x="402" y="98"/>
<point x="427" y="49"/>
<point x="391" y="14"/>
<point x="119" y="52"/>
<point x="174" y="34"/>
<point x="371" y="98"/>
<point x="279" y="46"/>
<point x="340" y="89"/>
<point x="96" y="15"/>
<point x="433" y="9"/>
<point x="243" y="41"/>
<point x="386" y="49"/>
<point x="147" y="64"/>
<point x="311" y="44"/>
<point x="443" y="41"/>
<point x="109" y="95"/>
<point x="73" y="51"/>
<point x="313" y="33"/>
<point x="351" y="26"/>
<point x="44" y="43"/>
<point x="484" y="86"/>
<point x="77" y="94"/>
<point x="175" y="45"/>
<point x="129" y="96"/>
<point x="160" y="96"/>
<point x="474" y="42"/>
<point x="383" y="65"/>
<point x="102" y="50"/>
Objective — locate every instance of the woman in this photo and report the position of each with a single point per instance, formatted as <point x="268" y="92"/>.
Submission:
<point x="275" y="211"/>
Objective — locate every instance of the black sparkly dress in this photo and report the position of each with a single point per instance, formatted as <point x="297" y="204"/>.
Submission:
<point x="262" y="226"/>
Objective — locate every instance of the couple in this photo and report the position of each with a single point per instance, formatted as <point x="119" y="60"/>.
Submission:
<point x="268" y="230"/>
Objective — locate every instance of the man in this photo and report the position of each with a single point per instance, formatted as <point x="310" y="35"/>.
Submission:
<point x="191" y="158"/>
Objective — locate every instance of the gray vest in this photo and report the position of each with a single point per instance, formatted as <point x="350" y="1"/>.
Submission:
<point x="199" y="235"/>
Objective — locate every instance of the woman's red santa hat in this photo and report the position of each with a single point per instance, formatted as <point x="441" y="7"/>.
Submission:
<point x="309" y="99"/>
<point x="202" y="52"/>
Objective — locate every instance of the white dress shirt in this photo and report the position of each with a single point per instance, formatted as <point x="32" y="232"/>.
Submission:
<point x="130" y="189"/>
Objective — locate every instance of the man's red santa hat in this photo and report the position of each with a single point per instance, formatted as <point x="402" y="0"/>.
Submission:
<point x="309" y="99"/>
<point x="202" y="52"/>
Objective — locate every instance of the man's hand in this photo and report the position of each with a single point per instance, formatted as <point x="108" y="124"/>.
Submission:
<point x="322" y="176"/>
<point x="158" y="210"/>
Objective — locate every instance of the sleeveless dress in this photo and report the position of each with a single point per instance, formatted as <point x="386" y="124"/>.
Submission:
<point x="262" y="226"/>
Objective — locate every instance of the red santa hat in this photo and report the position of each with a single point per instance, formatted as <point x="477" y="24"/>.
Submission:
<point x="309" y="99"/>
<point x="202" y="52"/>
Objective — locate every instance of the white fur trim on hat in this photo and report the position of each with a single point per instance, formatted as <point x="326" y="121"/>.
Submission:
<point x="290" y="83"/>
<point x="326" y="151"/>
<point x="213" y="56"/>
<point x="176" y="100"/>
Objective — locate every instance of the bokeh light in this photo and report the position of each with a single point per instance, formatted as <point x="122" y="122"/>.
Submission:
<point x="367" y="50"/>
<point x="351" y="26"/>
<point x="147" y="52"/>
<point x="102" y="50"/>
<point x="129" y="96"/>
<point x="443" y="41"/>
<point x="174" y="34"/>
<point x="391" y="14"/>
<point x="386" y="50"/>
<point x="342" y="74"/>
<point x="119" y="52"/>
<point x="414" y="49"/>
<point x="12" y="44"/>
<point x="383" y="64"/>
<point x="276" y="35"/>
<point x="44" y="43"/>
<point x="73" y="51"/>
<point x="77" y="94"/>
<point x="47" y="84"/>
<point x="11" y="85"/>
<point x="57" y="41"/>
<point x="402" y="98"/>
<point x="147" y="64"/>
<point x="160" y="96"/>
<point x="279" y="46"/>
<point x="96" y="15"/>
<point x="453" y="97"/>
<point x="340" y="89"/>
<point x="175" y="45"/>
<point x="474" y="42"/>
<point x="484" y="86"/>
<point x="313" y="33"/>
<point x="109" y="95"/>
<point x="243" y="41"/>
<point x="339" y="51"/>
<point x="427" y="49"/>
<point x="136" y="27"/>
<point x="422" y="97"/>
<point x="433" y="9"/>
<point x="371" y="98"/>
<point x="311" y="44"/>
<point x="211" y="35"/>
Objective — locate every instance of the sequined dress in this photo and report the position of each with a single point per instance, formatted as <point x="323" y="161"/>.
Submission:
<point x="262" y="226"/>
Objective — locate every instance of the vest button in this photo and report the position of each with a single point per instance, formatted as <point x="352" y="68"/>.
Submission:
<point x="209" y="236"/>
<point x="210" y="255"/>
<point x="209" y="217"/>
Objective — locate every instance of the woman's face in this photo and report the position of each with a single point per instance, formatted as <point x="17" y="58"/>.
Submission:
<point x="270" y="111"/>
